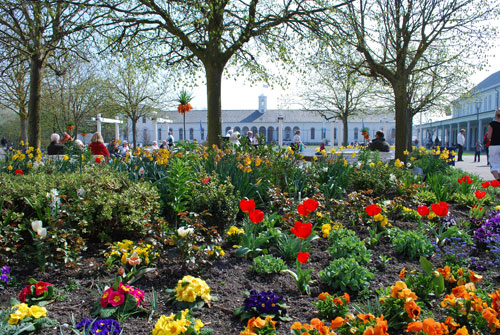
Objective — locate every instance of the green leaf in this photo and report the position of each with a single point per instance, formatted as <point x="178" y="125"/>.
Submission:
<point x="426" y="265"/>
<point x="241" y="252"/>
<point x="108" y="312"/>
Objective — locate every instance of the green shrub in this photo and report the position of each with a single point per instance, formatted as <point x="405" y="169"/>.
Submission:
<point x="346" y="274"/>
<point x="267" y="264"/>
<point x="345" y="243"/>
<point x="215" y="199"/>
<point x="99" y="203"/>
<point x="411" y="243"/>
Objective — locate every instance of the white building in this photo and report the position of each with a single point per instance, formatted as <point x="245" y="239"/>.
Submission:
<point x="314" y="128"/>
<point x="472" y="112"/>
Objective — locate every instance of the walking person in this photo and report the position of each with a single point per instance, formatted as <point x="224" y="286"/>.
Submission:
<point x="460" y="144"/>
<point x="477" y="152"/>
<point x="298" y="145"/>
<point x="494" y="149"/>
<point x="486" y="145"/>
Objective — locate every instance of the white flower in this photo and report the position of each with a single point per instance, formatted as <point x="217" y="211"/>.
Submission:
<point x="325" y="169"/>
<point x="42" y="232"/>
<point x="81" y="192"/>
<point x="387" y="203"/>
<point x="141" y="171"/>
<point x="36" y="225"/>
<point x="392" y="177"/>
<point x="408" y="164"/>
<point x="183" y="231"/>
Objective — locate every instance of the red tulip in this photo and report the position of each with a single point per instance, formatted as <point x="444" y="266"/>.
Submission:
<point x="465" y="179"/>
<point x="373" y="210"/>
<point x="302" y="230"/>
<point x="205" y="180"/>
<point x="247" y="206"/>
<point x="302" y="209"/>
<point x="310" y="204"/>
<point x="303" y="257"/>
<point x="495" y="183"/>
<point x="440" y="209"/>
<point x="256" y="216"/>
<point x="19" y="171"/>
<point x="98" y="160"/>
<point x="480" y="194"/>
<point x="423" y="210"/>
<point x="486" y="184"/>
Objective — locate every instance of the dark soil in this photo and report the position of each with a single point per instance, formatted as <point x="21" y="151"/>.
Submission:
<point x="228" y="278"/>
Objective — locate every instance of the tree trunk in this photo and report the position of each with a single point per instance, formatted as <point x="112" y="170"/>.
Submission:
<point x="409" y="140"/>
<point x="346" y="132"/>
<point x="214" y="80"/>
<point x="23" y="117"/>
<point x="401" y="106"/>
<point x="134" y="132"/>
<point x="34" y="102"/>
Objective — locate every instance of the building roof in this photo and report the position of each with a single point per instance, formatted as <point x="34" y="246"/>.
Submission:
<point x="492" y="80"/>
<point x="254" y="116"/>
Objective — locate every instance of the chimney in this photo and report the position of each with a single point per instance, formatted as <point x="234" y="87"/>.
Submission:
<point x="262" y="103"/>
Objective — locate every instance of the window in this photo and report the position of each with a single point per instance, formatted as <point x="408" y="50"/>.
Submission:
<point x="356" y="131"/>
<point x="288" y="133"/>
<point x="313" y="133"/>
<point x="143" y="120"/>
<point x="202" y="131"/>
<point x="159" y="134"/>
<point x="145" y="137"/>
<point x="191" y="133"/>
<point x="181" y="134"/>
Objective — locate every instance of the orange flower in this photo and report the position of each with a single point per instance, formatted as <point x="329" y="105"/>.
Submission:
<point x="474" y="277"/>
<point x="400" y="285"/>
<point x="348" y="298"/>
<point x="449" y="300"/>
<point x="414" y="327"/>
<point x="366" y="317"/>
<point x="402" y="273"/>
<point x="369" y="331"/>
<point x="296" y="325"/>
<point x="323" y="295"/>
<point x="450" y="322"/>
<point x="432" y="327"/>
<point x="495" y="302"/>
<point x="462" y="331"/>
<point x="412" y="309"/>
<point x="339" y="321"/>
<point x="338" y="301"/>
<point x="256" y="323"/>
<point x="446" y="273"/>
<point x="381" y="326"/>
<point x="490" y="315"/>
<point x="460" y="292"/>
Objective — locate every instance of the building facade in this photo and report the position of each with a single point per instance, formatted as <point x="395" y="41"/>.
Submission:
<point x="472" y="112"/>
<point x="314" y="128"/>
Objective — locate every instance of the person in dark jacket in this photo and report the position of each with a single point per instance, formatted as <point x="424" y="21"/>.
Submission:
<point x="55" y="147"/>
<point x="379" y="143"/>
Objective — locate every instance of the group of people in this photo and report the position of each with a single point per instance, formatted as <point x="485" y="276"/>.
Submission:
<point x="234" y="137"/>
<point x="58" y="145"/>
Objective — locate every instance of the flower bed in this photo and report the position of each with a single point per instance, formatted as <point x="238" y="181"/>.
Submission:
<point x="327" y="248"/>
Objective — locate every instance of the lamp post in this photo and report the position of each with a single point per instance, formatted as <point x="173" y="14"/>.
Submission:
<point x="478" y="107"/>
<point x="280" y="128"/>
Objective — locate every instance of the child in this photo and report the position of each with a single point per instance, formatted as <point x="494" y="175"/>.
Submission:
<point x="477" y="153"/>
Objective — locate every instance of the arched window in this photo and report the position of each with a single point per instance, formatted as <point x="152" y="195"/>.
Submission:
<point x="227" y="129"/>
<point x="270" y="134"/>
<point x="145" y="137"/>
<point x="237" y="129"/>
<point x="288" y="134"/>
<point x="191" y="134"/>
<point x="295" y="129"/>
<point x="313" y="133"/>
<point x="254" y="131"/>
<point x="244" y="130"/>
<point x="356" y="131"/>
<point x="159" y="134"/>
<point x="181" y="134"/>
<point x="262" y="132"/>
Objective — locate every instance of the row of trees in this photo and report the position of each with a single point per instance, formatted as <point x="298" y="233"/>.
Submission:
<point x="398" y="43"/>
